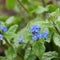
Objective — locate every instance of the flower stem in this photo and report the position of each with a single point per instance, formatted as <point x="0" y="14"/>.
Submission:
<point x="23" y="6"/>
<point x="9" y="44"/>
<point x="56" y="28"/>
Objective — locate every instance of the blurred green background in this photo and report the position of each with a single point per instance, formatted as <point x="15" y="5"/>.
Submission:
<point x="18" y="14"/>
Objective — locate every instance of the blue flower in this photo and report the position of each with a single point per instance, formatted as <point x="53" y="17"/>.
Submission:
<point x="37" y="36"/>
<point x="20" y="40"/>
<point x="4" y="29"/>
<point x="35" y="29"/>
<point x="1" y="36"/>
<point x="45" y="35"/>
<point x="1" y="27"/>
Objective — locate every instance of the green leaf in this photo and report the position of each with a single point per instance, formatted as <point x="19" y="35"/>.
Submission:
<point x="57" y="40"/>
<point x="29" y="55"/>
<point x="18" y="58"/>
<point x="13" y="28"/>
<point x="10" y="4"/>
<point x="33" y="7"/>
<point x="20" y="52"/>
<point x="50" y="55"/>
<point x="39" y="48"/>
<point x="25" y="1"/>
<point x="10" y="54"/>
<point x="10" y="20"/>
<point x="9" y="35"/>
<point x="41" y="9"/>
<point x="52" y="8"/>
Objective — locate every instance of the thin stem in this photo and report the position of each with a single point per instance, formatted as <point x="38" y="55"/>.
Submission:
<point x="8" y="42"/>
<point x="56" y="28"/>
<point x="23" y="6"/>
<point x="27" y="11"/>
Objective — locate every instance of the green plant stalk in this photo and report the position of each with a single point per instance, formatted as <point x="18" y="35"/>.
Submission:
<point x="21" y="4"/>
<point x="54" y="25"/>
<point x="56" y="28"/>
<point x="8" y="43"/>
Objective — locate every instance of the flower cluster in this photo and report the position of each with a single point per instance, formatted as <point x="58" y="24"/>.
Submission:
<point x="36" y="35"/>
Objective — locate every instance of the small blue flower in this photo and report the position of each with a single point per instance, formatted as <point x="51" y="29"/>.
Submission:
<point x="1" y="36"/>
<point x="35" y="29"/>
<point x="47" y="32"/>
<point x="20" y="40"/>
<point x="4" y="29"/>
<point x="45" y="35"/>
<point x="37" y="36"/>
<point x="1" y="27"/>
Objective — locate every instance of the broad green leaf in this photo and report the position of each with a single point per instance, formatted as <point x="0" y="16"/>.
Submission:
<point x="20" y="52"/>
<point x="29" y="55"/>
<point x="52" y="8"/>
<point x="10" y="54"/>
<point x="13" y="28"/>
<point x="33" y="7"/>
<point x="10" y="20"/>
<point x="18" y="58"/>
<point x="56" y="43"/>
<point x="10" y="4"/>
<point x="41" y="9"/>
<point x="57" y="40"/>
<point x="9" y="35"/>
<point x="50" y="55"/>
<point x="39" y="48"/>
